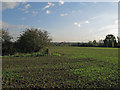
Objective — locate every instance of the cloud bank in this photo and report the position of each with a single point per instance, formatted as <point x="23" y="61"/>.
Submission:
<point x="8" y="5"/>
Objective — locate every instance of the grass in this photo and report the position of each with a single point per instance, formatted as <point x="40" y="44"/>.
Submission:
<point x="68" y="67"/>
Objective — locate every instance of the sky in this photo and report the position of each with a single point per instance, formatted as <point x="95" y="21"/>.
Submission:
<point x="65" y="21"/>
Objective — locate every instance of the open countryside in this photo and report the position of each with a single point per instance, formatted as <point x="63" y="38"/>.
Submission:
<point x="78" y="49"/>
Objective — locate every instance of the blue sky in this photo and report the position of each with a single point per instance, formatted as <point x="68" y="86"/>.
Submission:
<point x="65" y="21"/>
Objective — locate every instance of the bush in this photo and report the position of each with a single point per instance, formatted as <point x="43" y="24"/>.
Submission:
<point x="33" y="40"/>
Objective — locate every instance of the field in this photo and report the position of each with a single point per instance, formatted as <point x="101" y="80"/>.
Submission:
<point x="67" y="67"/>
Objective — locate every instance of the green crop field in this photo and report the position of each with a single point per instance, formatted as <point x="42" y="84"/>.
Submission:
<point x="67" y="67"/>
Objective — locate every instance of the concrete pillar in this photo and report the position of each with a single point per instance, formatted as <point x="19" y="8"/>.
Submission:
<point x="48" y="51"/>
<point x="112" y="44"/>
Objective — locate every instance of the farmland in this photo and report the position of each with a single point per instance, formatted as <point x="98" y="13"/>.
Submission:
<point x="67" y="67"/>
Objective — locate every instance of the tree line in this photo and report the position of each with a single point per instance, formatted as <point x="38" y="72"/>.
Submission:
<point x="109" y="41"/>
<point x="31" y="40"/>
<point x="36" y="40"/>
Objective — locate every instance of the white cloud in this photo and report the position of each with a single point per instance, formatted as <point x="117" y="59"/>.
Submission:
<point x="110" y="29"/>
<point x="0" y="24"/>
<point x="77" y="24"/>
<point x="23" y="18"/>
<point x="8" y="5"/>
<point x="73" y="11"/>
<point x="49" y="5"/>
<point x="23" y="2"/>
<point x="95" y="2"/>
<point x="61" y="2"/>
<point x="64" y="14"/>
<point x="14" y="1"/>
<point x="86" y="21"/>
<point x="90" y="19"/>
<point x="48" y="12"/>
<point x="34" y="12"/>
<point x="26" y="12"/>
<point x="27" y="6"/>
<point x="95" y="17"/>
<point x="116" y="21"/>
<point x="10" y="26"/>
<point x="82" y="3"/>
<point x="39" y="28"/>
<point x="14" y="30"/>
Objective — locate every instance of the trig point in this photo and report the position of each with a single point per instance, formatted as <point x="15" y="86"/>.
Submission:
<point x="48" y="51"/>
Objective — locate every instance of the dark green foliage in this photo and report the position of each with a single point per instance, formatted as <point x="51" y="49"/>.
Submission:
<point x="7" y="44"/>
<point x="42" y="52"/>
<point x="90" y="43"/>
<point x="101" y="43"/>
<point x="33" y="40"/>
<point x="118" y="44"/>
<point x="95" y="43"/>
<point x="8" y="48"/>
<point x="110" y="41"/>
<point x="6" y="36"/>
